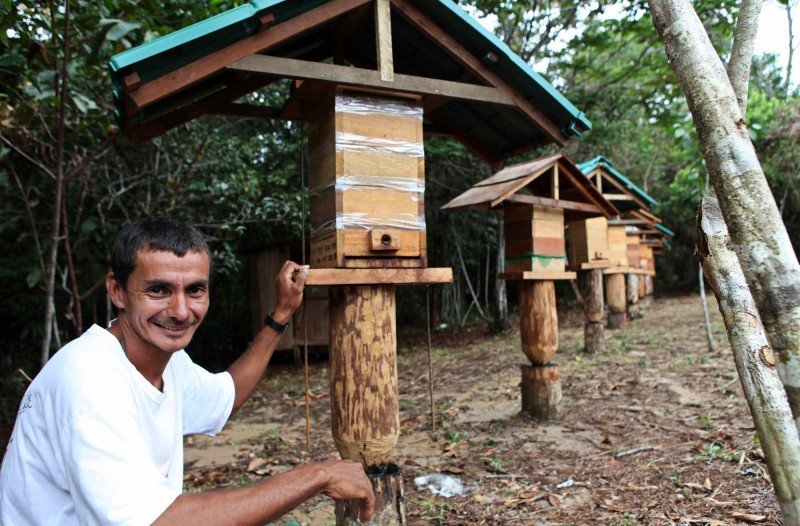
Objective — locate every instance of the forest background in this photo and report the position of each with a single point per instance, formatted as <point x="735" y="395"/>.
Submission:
<point x="238" y="181"/>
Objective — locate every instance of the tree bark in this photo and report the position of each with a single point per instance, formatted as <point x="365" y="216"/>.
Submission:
<point x="759" y="237"/>
<point x="50" y="284"/>
<point x="769" y="407"/>
<point x="500" y="284"/>
<point x="744" y="41"/>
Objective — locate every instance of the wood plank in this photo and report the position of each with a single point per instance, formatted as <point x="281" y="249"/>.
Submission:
<point x="359" y="77"/>
<point x="379" y="276"/>
<point x="554" y="203"/>
<point x="476" y="66"/>
<point x="517" y="185"/>
<point x="538" y="276"/>
<point x="618" y="197"/>
<point x="258" y="43"/>
<point x="383" y="39"/>
<point x="597" y="264"/>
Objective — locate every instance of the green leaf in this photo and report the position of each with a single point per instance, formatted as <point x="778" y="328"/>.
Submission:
<point x="88" y="226"/>
<point x="119" y="29"/>
<point x="34" y="277"/>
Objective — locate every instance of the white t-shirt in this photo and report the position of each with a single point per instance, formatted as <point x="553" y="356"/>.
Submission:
<point x="96" y="443"/>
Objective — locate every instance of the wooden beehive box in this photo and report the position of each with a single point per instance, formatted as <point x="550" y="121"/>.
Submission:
<point x="534" y="237"/>
<point x="617" y="245"/>
<point x="366" y="183"/>
<point x="634" y="249"/>
<point x="588" y="240"/>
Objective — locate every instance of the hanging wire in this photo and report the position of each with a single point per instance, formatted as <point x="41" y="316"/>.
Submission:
<point x="305" y="312"/>
<point x="430" y="358"/>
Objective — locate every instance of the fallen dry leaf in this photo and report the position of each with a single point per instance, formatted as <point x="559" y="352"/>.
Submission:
<point x="747" y="517"/>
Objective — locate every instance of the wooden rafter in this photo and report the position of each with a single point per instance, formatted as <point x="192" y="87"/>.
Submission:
<point x="383" y="39"/>
<point x="161" y="125"/>
<point x="555" y="203"/>
<point x="452" y="47"/>
<point x="213" y="63"/>
<point x="525" y="181"/>
<point x="367" y="78"/>
<point x="580" y="185"/>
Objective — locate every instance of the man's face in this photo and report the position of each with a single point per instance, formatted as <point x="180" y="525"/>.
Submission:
<point x="165" y="300"/>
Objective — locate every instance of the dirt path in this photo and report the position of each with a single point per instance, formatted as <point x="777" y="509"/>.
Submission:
<point x="656" y="431"/>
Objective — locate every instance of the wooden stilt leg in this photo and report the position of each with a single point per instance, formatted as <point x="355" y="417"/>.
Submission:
<point x="591" y="286"/>
<point x="364" y="401"/>
<point x="541" y="381"/>
<point x="632" y="293"/>
<point x="615" y="296"/>
<point x="541" y="391"/>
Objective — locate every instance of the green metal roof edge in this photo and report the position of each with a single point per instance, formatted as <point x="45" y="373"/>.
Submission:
<point x="589" y="166"/>
<point x="244" y="12"/>
<point x="523" y="66"/>
<point x="189" y="33"/>
<point x="666" y="230"/>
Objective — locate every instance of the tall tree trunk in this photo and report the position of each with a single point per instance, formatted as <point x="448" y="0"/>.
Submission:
<point x="500" y="285"/>
<point x="759" y="237"/>
<point x="753" y="357"/>
<point x="50" y="285"/>
<point x="788" y="84"/>
<point x="744" y="42"/>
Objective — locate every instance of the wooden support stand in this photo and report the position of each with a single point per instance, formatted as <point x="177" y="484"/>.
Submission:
<point x="632" y="295"/>
<point x="365" y="418"/>
<point x="615" y="296"/>
<point x="591" y="287"/>
<point x="538" y="320"/>
<point x="387" y="484"/>
<point x="541" y="381"/>
<point x="541" y="391"/>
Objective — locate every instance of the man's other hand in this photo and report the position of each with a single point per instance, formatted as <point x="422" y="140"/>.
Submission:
<point x="347" y="481"/>
<point x="290" y="281"/>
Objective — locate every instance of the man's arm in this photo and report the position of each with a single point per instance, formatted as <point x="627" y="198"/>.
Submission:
<point x="266" y="501"/>
<point x="248" y="369"/>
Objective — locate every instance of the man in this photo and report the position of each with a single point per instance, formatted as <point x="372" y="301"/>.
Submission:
<point x="99" y="435"/>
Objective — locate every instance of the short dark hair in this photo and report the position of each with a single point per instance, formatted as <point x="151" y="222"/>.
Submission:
<point x="153" y="234"/>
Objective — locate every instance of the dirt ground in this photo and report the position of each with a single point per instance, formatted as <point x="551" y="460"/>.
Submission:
<point x="655" y="431"/>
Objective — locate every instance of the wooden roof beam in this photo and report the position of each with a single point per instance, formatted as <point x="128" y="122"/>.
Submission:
<point x="383" y="39"/>
<point x="452" y="47"/>
<point x="367" y="78"/>
<point x="162" y="124"/>
<point x="555" y="203"/>
<point x="213" y="63"/>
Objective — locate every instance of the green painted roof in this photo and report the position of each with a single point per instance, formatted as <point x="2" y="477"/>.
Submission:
<point x="666" y="230"/>
<point x="600" y="161"/>
<point x="501" y="129"/>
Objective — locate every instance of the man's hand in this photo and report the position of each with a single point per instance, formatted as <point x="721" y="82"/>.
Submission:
<point x="290" y="281"/>
<point x="347" y="481"/>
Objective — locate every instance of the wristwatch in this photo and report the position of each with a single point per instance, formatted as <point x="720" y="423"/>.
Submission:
<point x="270" y="322"/>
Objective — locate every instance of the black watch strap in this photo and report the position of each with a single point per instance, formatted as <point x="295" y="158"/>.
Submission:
<point x="270" y="322"/>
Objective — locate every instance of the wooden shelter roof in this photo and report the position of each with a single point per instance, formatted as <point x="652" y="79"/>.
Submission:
<point x="553" y="181"/>
<point x="632" y="196"/>
<point x="473" y="87"/>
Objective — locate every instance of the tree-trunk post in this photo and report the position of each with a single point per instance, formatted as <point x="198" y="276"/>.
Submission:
<point x="640" y="292"/>
<point x="632" y="295"/>
<point x="591" y="287"/>
<point x="615" y="296"/>
<point x="648" y="290"/>
<point x="541" y="380"/>
<point x="365" y="416"/>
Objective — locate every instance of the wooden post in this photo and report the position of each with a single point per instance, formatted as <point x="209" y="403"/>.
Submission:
<point x="541" y="380"/>
<point x="365" y="418"/>
<point x="387" y="484"/>
<point x="541" y="391"/>
<point x="632" y="295"/>
<point x="615" y="295"/>
<point x="648" y="291"/>
<point x="640" y="293"/>
<point x="591" y="287"/>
